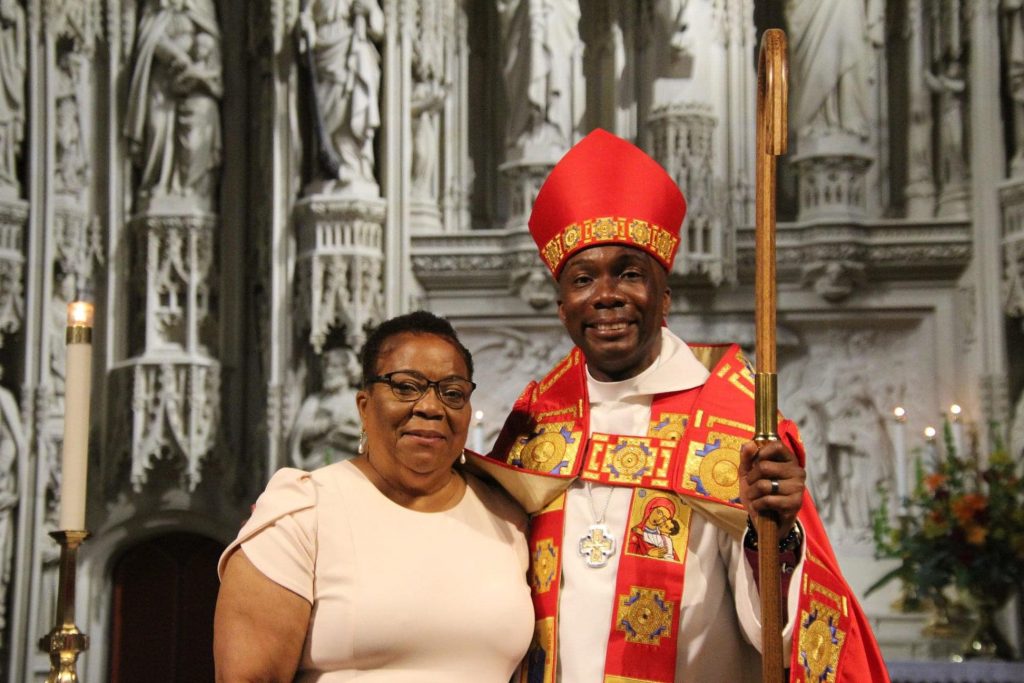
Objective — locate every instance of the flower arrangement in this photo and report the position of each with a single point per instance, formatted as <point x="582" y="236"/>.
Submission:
<point x="961" y="531"/>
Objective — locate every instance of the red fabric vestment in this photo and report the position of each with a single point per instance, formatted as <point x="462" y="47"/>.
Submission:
<point x="688" y="459"/>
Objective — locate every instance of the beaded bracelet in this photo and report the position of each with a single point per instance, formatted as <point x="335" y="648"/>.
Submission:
<point x="792" y="541"/>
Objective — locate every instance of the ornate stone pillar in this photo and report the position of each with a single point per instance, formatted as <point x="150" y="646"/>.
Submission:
<point x="985" y="171"/>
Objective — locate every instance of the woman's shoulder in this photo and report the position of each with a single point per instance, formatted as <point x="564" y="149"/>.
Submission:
<point x="336" y="477"/>
<point x="496" y="500"/>
<point x="288" y="487"/>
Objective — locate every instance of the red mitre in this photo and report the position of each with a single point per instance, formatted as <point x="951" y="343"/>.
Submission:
<point x="606" y="190"/>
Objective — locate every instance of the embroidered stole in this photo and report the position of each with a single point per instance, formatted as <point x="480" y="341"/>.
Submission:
<point x="689" y="459"/>
<point x="643" y="637"/>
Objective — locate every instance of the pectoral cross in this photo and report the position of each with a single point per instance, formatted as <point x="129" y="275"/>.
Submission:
<point x="597" y="545"/>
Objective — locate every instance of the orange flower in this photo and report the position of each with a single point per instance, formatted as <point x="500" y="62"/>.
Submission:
<point x="934" y="480"/>
<point x="967" y="506"/>
<point x="976" y="535"/>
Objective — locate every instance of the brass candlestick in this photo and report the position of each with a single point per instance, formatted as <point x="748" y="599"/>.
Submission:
<point x="65" y="641"/>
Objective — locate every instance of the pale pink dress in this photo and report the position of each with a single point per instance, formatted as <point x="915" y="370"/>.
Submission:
<point x="398" y="596"/>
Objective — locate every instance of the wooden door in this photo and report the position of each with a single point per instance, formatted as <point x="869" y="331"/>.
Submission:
<point x="165" y="589"/>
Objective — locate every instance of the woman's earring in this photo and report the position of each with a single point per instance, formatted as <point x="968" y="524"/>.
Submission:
<point x="362" y="442"/>
<point x="462" y="458"/>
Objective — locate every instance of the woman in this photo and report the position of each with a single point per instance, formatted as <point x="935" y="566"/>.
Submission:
<point x="394" y="566"/>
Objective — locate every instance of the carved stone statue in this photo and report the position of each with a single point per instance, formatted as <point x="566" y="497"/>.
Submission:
<point x="11" y="441"/>
<point x="428" y="99"/>
<point x="327" y="426"/>
<point x="682" y="35"/>
<point x="337" y="37"/>
<point x="13" y="66"/>
<point x="830" y="51"/>
<point x="950" y="88"/>
<point x="1013" y="47"/>
<point x="541" y="43"/>
<point x="71" y="174"/>
<point x="429" y="93"/>
<point x="173" y="118"/>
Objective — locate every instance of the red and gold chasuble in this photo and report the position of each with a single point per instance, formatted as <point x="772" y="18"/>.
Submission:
<point x="687" y="462"/>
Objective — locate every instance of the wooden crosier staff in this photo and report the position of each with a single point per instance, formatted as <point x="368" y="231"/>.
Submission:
<point x="772" y="96"/>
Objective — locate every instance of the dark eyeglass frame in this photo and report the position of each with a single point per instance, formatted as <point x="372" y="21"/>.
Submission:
<point x="386" y="378"/>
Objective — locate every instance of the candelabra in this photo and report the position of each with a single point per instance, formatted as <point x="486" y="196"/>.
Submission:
<point x="65" y="642"/>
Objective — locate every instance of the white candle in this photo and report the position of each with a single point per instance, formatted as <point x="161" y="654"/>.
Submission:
<point x="900" y="445"/>
<point x="958" y="429"/>
<point x="478" y="431"/>
<point x="75" y="456"/>
<point x="929" y="436"/>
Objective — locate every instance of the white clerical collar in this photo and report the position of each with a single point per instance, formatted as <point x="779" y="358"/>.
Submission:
<point x="675" y="369"/>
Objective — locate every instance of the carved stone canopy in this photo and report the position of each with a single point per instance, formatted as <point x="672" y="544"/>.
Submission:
<point x="340" y="266"/>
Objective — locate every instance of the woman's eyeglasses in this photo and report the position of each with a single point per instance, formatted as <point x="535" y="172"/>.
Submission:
<point x="408" y="385"/>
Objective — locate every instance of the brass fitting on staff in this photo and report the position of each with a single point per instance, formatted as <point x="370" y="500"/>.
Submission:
<point x="766" y="406"/>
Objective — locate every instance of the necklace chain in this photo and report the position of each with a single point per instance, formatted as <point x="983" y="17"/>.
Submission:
<point x="598" y="519"/>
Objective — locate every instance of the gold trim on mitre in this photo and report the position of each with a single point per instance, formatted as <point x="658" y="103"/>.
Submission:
<point x="652" y="238"/>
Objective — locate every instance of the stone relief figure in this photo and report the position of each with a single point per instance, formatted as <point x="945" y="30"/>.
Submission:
<point x="338" y="37"/>
<point x="428" y="98"/>
<point x="173" y="118"/>
<point x="1013" y="49"/>
<point x="76" y="25"/>
<point x="541" y="49"/>
<point x="830" y="48"/>
<point x="327" y="426"/>
<point x="72" y="166"/>
<point x="11" y="444"/>
<point x="429" y="92"/>
<point x="13" y="67"/>
<point x="842" y="416"/>
<point x="949" y="85"/>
